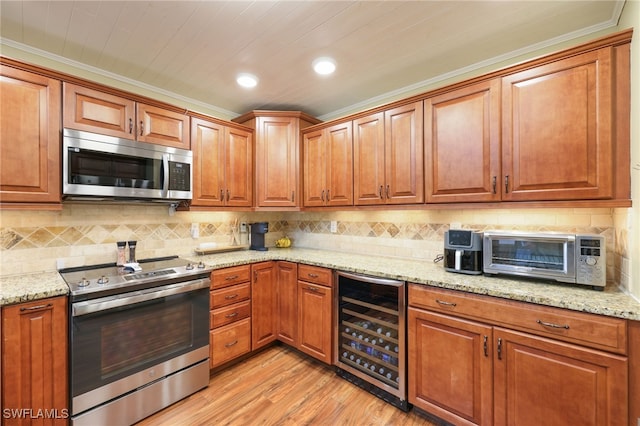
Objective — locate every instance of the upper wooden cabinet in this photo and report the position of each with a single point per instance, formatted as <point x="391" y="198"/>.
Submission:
<point x="222" y="164"/>
<point x="277" y="155"/>
<point x="388" y="156"/>
<point x="328" y="166"/>
<point x="462" y="144"/>
<point x="559" y="128"/>
<point x="29" y="140"/>
<point x="99" y="112"/>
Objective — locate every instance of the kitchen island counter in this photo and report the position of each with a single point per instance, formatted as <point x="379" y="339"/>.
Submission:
<point x="610" y="302"/>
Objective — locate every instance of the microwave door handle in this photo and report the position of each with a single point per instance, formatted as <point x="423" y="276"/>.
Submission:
<point x="165" y="174"/>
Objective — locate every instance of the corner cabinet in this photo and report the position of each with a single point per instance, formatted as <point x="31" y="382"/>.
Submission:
<point x="328" y="166"/>
<point x="277" y="155"/>
<point x="478" y="360"/>
<point x="109" y="114"/>
<point x="222" y="164"/>
<point x="30" y="158"/>
<point x="34" y="360"/>
<point x="388" y="158"/>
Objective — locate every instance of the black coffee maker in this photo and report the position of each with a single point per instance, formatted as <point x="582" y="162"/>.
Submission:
<point x="258" y="230"/>
<point x="463" y="251"/>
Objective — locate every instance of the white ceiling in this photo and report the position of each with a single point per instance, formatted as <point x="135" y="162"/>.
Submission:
<point x="196" y="48"/>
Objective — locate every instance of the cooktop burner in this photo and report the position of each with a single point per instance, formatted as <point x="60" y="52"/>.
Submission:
<point x="90" y="282"/>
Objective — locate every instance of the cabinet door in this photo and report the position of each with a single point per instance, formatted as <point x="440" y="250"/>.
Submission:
<point x="263" y="304"/>
<point x="277" y="161"/>
<point x="29" y="137"/>
<point x="94" y="111"/>
<point x="368" y="159"/>
<point x="339" y="175"/>
<point x="287" y="311"/>
<point x="34" y="359"/>
<point x="314" y="320"/>
<point x="163" y="127"/>
<point x="538" y="380"/>
<point x="450" y="365"/>
<point x="239" y="168"/>
<point x="462" y="144"/>
<point x="208" y="158"/>
<point x="314" y="168"/>
<point x="557" y="130"/>
<point x="404" y="170"/>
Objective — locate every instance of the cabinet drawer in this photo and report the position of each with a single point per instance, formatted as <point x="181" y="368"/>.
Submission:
<point x="230" y="276"/>
<point x="315" y="274"/>
<point x="230" y="314"/>
<point x="230" y="295"/>
<point x="596" y="331"/>
<point x="230" y="341"/>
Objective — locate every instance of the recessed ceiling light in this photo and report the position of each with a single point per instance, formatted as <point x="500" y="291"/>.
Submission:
<point x="247" y="80"/>
<point x="324" y="65"/>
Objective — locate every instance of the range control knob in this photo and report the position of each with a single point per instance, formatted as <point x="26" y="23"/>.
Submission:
<point x="189" y="266"/>
<point x="201" y="265"/>
<point x="84" y="282"/>
<point x="103" y="280"/>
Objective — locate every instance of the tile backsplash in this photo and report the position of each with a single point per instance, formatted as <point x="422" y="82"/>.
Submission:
<point x="86" y="233"/>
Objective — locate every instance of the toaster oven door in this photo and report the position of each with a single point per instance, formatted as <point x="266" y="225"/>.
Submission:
<point x="546" y="256"/>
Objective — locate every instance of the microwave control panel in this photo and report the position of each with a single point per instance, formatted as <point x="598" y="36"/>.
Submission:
<point x="179" y="176"/>
<point x="591" y="260"/>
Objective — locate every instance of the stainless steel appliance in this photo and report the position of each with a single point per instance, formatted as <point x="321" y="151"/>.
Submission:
<point x="570" y="258"/>
<point x="104" y="167"/>
<point x="370" y="339"/>
<point x="463" y="251"/>
<point x="138" y="341"/>
<point x="258" y="230"/>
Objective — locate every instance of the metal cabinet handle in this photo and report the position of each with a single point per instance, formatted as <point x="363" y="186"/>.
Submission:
<point x="552" y="325"/>
<point x="313" y="275"/>
<point x="444" y="303"/>
<point x="388" y="192"/>
<point x="494" y="183"/>
<point x="499" y="348"/>
<point x="485" y="345"/>
<point x="130" y="125"/>
<point x="380" y="192"/>
<point x="328" y="196"/>
<point x="234" y="314"/>
<point x="231" y="277"/>
<point x="141" y="127"/>
<point x="293" y="196"/>
<point x="322" y="196"/>
<point x="36" y="308"/>
<point x="228" y="195"/>
<point x="231" y="296"/>
<point x="506" y="184"/>
<point x="228" y="345"/>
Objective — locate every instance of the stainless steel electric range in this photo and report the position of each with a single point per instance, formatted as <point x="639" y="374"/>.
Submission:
<point x="139" y="340"/>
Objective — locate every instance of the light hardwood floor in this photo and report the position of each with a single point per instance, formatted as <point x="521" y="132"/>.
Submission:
<point x="280" y="386"/>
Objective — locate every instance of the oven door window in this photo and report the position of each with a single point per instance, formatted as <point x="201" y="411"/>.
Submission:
<point x="112" y="344"/>
<point x="539" y="255"/>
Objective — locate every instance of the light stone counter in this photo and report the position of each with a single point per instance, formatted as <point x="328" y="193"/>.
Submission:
<point x="610" y="302"/>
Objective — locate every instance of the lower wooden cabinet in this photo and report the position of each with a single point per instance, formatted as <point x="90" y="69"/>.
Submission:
<point x="287" y="302"/>
<point x="264" y="304"/>
<point x="230" y="341"/>
<point x="315" y="303"/>
<point x="34" y="361"/>
<point x="468" y="368"/>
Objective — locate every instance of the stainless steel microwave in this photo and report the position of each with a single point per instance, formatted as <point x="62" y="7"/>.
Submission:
<point x="569" y="258"/>
<point x="99" y="167"/>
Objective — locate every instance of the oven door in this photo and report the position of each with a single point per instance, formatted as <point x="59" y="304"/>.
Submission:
<point x="546" y="256"/>
<point x="120" y="343"/>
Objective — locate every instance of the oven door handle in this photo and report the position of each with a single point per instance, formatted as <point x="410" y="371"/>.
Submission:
<point x="110" y="302"/>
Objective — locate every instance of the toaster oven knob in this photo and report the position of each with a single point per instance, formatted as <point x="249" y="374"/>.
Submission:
<point x="591" y="261"/>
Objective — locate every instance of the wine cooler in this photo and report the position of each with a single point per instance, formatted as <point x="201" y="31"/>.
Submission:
<point x="370" y="340"/>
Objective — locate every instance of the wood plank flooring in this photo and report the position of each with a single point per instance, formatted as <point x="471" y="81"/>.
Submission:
<point x="280" y="386"/>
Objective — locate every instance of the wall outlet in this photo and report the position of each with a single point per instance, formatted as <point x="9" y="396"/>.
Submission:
<point x="195" y="231"/>
<point x="455" y="225"/>
<point x="334" y="226"/>
<point x="243" y="227"/>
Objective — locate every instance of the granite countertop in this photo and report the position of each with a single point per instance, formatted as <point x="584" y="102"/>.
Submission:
<point x="610" y="302"/>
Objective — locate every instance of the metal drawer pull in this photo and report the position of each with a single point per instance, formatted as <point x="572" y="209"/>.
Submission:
<point x="313" y="275"/>
<point x="35" y="308"/>
<point x="231" y="296"/>
<point x="552" y="325"/>
<point x="442" y="302"/>
<point x="232" y="277"/>
<point x="313" y="288"/>
<point x="228" y="345"/>
<point x="500" y="348"/>
<point x="235" y="314"/>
